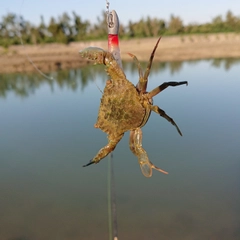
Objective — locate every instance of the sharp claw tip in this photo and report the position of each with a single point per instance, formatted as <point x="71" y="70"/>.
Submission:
<point x="91" y="162"/>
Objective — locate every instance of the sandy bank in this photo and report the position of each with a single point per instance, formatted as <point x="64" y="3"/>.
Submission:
<point x="176" y="48"/>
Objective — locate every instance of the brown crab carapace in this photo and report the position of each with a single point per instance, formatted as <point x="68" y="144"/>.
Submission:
<point x="125" y="107"/>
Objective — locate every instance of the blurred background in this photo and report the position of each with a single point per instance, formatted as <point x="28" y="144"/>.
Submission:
<point x="47" y="133"/>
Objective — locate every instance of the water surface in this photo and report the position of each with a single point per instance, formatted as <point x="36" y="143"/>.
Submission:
<point x="47" y="134"/>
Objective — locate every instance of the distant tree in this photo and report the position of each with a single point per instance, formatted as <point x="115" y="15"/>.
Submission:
<point x="80" y="28"/>
<point x="41" y="31"/>
<point x="217" y="24"/>
<point x="54" y="29"/>
<point x="231" y="22"/>
<point x="130" y="29"/>
<point x="99" y="30"/>
<point x="65" y="34"/>
<point x="175" y="25"/>
<point x="9" y="30"/>
<point x="155" y="27"/>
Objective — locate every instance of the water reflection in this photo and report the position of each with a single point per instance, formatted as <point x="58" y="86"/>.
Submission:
<point x="23" y="85"/>
<point x="227" y="63"/>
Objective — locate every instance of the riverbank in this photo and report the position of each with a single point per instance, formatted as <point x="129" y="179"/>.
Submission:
<point x="50" y="57"/>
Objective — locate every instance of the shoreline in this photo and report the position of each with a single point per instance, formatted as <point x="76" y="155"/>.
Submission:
<point x="51" y="57"/>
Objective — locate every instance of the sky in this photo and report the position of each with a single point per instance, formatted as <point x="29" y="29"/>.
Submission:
<point x="190" y="11"/>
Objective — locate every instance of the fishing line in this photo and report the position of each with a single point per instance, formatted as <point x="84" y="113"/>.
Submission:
<point x="95" y="82"/>
<point x="109" y="197"/>
<point x="107" y="7"/>
<point x="112" y="205"/>
<point x="26" y="54"/>
<point x="107" y="13"/>
<point x="97" y="85"/>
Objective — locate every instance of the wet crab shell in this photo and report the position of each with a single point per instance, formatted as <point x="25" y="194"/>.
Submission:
<point x="121" y="108"/>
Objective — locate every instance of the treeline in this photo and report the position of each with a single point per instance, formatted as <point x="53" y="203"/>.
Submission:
<point x="69" y="28"/>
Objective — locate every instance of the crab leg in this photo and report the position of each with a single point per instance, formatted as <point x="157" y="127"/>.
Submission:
<point x="163" y="86"/>
<point x="135" y="144"/>
<point x="159" y="111"/>
<point x="99" y="56"/>
<point x="103" y="152"/>
<point x="143" y="79"/>
<point x="96" y="54"/>
<point x="146" y="74"/>
<point x="141" y="83"/>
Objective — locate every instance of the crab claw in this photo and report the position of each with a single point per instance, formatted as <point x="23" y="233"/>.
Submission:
<point x="93" y="53"/>
<point x="90" y="162"/>
<point x="146" y="166"/>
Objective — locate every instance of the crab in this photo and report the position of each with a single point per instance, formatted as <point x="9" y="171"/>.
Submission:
<point x="125" y="107"/>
